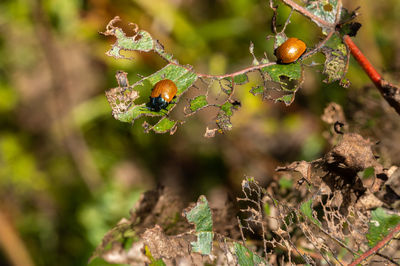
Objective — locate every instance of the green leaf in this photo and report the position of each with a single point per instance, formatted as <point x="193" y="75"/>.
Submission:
<point x="292" y="71"/>
<point x="164" y="125"/>
<point x="241" y="79"/>
<point x="223" y="119"/>
<point x="141" y="41"/>
<point x="257" y="90"/>
<point x="287" y="99"/>
<point x="153" y="262"/>
<point x="286" y="183"/>
<point x="198" y="103"/>
<point x="280" y="38"/>
<point x="204" y="242"/>
<point x="267" y="209"/>
<point x="227" y="108"/>
<point x="201" y="217"/>
<point x="325" y="10"/>
<point x="246" y="257"/>
<point x="336" y="59"/>
<point x="368" y="172"/>
<point x="123" y="105"/>
<point x="380" y="225"/>
<point x="306" y="209"/>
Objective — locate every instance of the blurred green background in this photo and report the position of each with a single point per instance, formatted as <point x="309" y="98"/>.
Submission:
<point x="69" y="171"/>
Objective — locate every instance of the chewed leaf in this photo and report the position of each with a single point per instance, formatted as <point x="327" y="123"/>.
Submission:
<point x="257" y="90"/>
<point x="123" y="234"/>
<point x="141" y="41"/>
<point x="325" y="10"/>
<point x="203" y="244"/>
<point x="164" y="125"/>
<point x="292" y="71"/>
<point x="281" y="82"/>
<point x="122" y="99"/>
<point x="227" y="108"/>
<point x="198" y="103"/>
<point x="241" y="79"/>
<point x="247" y="257"/>
<point x="223" y="119"/>
<point x="287" y="99"/>
<point x="336" y="60"/>
<point x="201" y="217"/>
<point x="380" y="225"/>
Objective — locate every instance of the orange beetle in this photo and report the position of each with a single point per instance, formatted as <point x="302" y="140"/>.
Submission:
<point x="162" y="94"/>
<point x="290" y="51"/>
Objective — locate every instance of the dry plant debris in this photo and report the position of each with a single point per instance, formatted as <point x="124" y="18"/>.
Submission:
<point x="344" y="209"/>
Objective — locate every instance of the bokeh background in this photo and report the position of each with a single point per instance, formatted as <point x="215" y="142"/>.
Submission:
<point x="69" y="171"/>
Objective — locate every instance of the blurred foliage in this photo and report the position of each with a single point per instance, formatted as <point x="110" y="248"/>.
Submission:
<point x="69" y="171"/>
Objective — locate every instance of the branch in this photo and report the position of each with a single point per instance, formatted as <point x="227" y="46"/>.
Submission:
<point x="307" y="13"/>
<point x="243" y="71"/>
<point x="390" y="92"/>
<point x="12" y="244"/>
<point x="378" y="246"/>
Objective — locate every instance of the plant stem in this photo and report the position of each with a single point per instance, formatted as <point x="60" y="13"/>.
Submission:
<point x="389" y="91"/>
<point x="363" y="61"/>
<point x="378" y="246"/>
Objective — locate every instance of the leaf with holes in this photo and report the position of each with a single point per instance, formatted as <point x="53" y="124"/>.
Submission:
<point x="335" y="66"/>
<point x="241" y="79"/>
<point x="123" y="98"/>
<point x="198" y="102"/>
<point x="325" y="11"/>
<point x="200" y="216"/>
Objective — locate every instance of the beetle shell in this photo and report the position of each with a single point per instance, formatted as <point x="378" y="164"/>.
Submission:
<point x="290" y="51"/>
<point x="165" y="88"/>
<point x="162" y="94"/>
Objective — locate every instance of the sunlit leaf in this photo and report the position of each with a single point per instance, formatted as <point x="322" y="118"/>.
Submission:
<point x="203" y="244"/>
<point x="200" y="216"/>
<point x="241" y="79"/>
<point x="325" y="10"/>
<point x="141" y="41"/>
<point x="287" y="99"/>
<point x="164" y="125"/>
<point x="292" y="71"/>
<point x="380" y="225"/>
<point x="227" y="108"/>
<point x="198" y="103"/>
<point x="336" y="59"/>
<point x="246" y="257"/>
<point x="122" y="99"/>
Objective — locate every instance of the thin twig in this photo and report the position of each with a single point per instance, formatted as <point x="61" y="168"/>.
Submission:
<point x="378" y="246"/>
<point x="308" y="14"/>
<point x="230" y="75"/>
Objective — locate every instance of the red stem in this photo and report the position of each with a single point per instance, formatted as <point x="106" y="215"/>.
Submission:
<point x="363" y="61"/>
<point x="308" y="14"/>
<point x="377" y="247"/>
